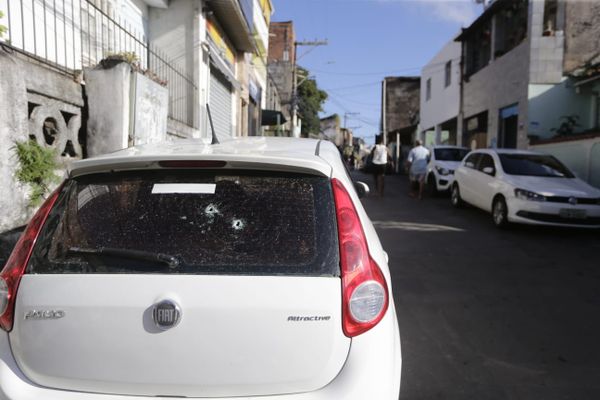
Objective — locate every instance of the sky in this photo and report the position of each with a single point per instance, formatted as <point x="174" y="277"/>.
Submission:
<point x="367" y="41"/>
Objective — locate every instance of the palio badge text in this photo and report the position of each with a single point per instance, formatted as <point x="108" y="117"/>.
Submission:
<point x="44" y="314"/>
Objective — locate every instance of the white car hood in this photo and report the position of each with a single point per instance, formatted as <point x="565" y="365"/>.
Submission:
<point x="554" y="186"/>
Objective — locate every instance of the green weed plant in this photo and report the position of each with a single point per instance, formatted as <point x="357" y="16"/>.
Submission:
<point x="36" y="168"/>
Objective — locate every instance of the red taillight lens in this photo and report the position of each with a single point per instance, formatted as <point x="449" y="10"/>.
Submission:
<point x="15" y="266"/>
<point x="364" y="289"/>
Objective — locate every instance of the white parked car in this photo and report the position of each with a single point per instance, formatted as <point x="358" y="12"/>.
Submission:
<point x="247" y="269"/>
<point x="525" y="187"/>
<point x="443" y="162"/>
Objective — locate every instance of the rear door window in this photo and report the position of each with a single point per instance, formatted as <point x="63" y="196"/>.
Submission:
<point x="194" y="222"/>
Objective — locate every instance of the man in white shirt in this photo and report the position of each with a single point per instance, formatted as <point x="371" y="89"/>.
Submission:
<point x="418" y="159"/>
<point x="380" y="159"/>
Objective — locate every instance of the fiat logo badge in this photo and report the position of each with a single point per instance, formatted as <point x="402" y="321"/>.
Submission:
<point x="166" y="314"/>
<point x="572" y="201"/>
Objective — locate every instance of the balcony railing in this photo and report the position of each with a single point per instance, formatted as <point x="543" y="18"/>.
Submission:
<point x="70" y="35"/>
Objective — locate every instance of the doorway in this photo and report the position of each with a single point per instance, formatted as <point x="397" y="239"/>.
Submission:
<point x="508" y="127"/>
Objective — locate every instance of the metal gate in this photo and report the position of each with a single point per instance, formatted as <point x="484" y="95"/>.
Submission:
<point x="220" y="104"/>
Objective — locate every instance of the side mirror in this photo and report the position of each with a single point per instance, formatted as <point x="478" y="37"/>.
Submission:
<point x="489" y="170"/>
<point x="361" y="188"/>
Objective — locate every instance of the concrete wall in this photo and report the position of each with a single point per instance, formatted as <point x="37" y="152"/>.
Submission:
<point x="502" y="83"/>
<point x="280" y="64"/>
<point x="582" y="30"/>
<point x="548" y="103"/>
<point x="445" y="101"/>
<point x="178" y="32"/>
<point x="125" y="109"/>
<point x="108" y="92"/>
<point x="150" y="110"/>
<point x="281" y="73"/>
<point x="13" y="127"/>
<point x="581" y="156"/>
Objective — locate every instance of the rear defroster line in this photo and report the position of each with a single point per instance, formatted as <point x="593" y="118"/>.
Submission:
<point x="171" y="261"/>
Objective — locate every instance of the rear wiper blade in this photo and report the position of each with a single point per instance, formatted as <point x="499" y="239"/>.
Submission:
<point x="169" y="260"/>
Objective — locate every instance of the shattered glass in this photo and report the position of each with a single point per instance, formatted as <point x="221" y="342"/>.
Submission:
<point x="253" y="223"/>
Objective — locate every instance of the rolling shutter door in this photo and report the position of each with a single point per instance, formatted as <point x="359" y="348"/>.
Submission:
<point x="220" y="104"/>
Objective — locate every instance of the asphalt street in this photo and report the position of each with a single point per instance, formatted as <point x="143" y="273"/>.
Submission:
<point x="487" y="313"/>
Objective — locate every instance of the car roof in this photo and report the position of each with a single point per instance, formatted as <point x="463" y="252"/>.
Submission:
<point x="508" y="151"/>
<point x="447" y="146"/>
<point x="271" y="153"/>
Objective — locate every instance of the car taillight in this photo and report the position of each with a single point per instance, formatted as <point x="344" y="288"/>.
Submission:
<point x="15" y="266"/>
<point x="364" y="289"/>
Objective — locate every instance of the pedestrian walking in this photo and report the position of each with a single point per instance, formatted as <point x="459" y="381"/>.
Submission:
<point x="380" y="160"/>
<point x="418" y="159"/>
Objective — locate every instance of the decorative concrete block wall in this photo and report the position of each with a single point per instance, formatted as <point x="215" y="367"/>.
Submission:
<point x="40" y="104"/>
<point x="13" y="128"/>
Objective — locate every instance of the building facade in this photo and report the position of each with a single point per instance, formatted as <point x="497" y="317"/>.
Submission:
<point x="281" y="67"/>
<point x="93" y="76"/>
<point x="440" y="97"/>
<point x="517" y="82"/>
<point x="400" y="114"/>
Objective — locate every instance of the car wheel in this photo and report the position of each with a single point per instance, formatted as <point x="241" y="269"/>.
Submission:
<point x="500" y="213"/>
<point x="455" y="198"/>
<point x="431" y="185"/>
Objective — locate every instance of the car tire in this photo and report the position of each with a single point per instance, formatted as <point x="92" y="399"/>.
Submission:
<point x="432" y="186"/>
<point x="500" y="212"/>
<point x="455" y="198"/>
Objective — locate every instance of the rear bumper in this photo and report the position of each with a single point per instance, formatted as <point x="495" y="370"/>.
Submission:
<point x="372" y="370"/>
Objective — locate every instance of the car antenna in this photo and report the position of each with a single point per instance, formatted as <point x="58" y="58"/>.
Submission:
<point x="215" y="140"/>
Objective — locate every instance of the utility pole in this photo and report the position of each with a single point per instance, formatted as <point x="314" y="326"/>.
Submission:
<point x="295" y="77"/>
<point x="383" y="112"/>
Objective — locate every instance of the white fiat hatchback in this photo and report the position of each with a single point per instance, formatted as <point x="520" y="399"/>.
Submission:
<point x="242" y="270"/>
<point x="443" y="162"/>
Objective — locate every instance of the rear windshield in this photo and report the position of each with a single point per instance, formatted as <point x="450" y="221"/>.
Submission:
<point x="194" y="222"/>
<point x="534" y="165"/>
<point x="450" y="154"/>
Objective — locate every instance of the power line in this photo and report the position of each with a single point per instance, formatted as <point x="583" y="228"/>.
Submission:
<point x="339" y="99"/>
<point x="354" y="86"/>
<point x="386" y="72"/>
<point x="348" y="111"/>
<point x="365" y="73"/>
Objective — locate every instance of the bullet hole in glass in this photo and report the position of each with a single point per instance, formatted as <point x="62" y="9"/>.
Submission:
<point x="237" y="224"/>
<point x="211" y="210"/>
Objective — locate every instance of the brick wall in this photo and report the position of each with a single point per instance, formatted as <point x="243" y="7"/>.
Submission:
<point x="281" y="38"/>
